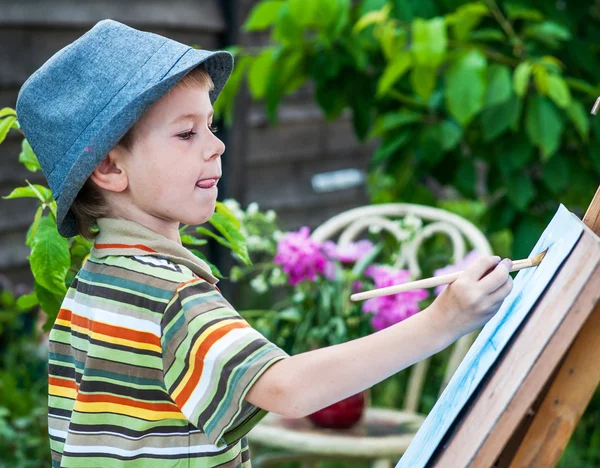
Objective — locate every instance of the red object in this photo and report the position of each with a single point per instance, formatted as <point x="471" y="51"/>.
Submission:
<point x="341" y="415"/>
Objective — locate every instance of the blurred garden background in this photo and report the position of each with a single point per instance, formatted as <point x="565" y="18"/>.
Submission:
<point x="479" y="108"/>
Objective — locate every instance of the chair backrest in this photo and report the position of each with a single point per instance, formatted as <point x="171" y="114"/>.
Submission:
<point x="352" y="223"/>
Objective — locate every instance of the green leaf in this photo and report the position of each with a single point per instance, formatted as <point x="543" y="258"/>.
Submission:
<point x="191" y="240"/>
<point x="263" y="15"/>
<point x="306" y="12"/>
<point x="515" y="11"/>
<point x="230" y="231"/>
<point x="392" y="40"/>
<point x="7" y="111"/>
<point x="497" y="119"/>
<point x="466" y="86"/>
<point x="27" y="301"/>
<point x="580" y="119"/>
<point x="6" y="124"/>
<point x="50" y="303"/>
<point x="549" y="33"/>
<point x="50" y="257"/>
<point x="33" y="228"/>
<point x="392" y="120"/>
<point x="520" y="190"/>
<point x="423" y="80"/>
<point x="222" y="208"/>
<point x="544" y="125"/>
<point x="499" y="88"/>
<point x="487" y="35"/>
<point x="450" y="134"/>
<point x="521" y="78"/>
<point x="30" y="192"/>
<point x="371" y="18"/>
<point x="393" y="72"/>
<point x="286" y="30"/>
<point x="466" y="18"/>
<point x="556" y="173"/>
<point x="27" y="157"/>
<point x="540" y="78"/>
<point x="260" y="69"/>
<point x="429" y="41"/>
<point x="514" y="155"/>
<point x="389" y="147"/>
<point x="559" y="91"/>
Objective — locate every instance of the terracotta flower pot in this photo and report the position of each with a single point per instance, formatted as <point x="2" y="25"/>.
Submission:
<point x="343" y="414"/>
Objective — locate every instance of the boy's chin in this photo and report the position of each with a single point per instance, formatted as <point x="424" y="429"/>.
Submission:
<point x="197" y="219"/>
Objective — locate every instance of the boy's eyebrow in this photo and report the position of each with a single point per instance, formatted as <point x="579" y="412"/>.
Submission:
<point x="191" y="116"/>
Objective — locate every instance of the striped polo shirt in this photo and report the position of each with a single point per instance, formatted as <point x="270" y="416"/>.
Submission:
<point x="149" y="365"/>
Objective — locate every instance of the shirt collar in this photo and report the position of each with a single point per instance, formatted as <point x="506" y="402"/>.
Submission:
<point x="118" y="236"/>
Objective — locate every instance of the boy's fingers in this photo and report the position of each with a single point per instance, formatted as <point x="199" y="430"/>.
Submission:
<point x="502" y="292"/>
<point x="497" y="277"/>
<point x="480" y="267"/>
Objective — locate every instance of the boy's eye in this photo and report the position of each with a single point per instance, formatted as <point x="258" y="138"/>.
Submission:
<point x="187" y="135"/>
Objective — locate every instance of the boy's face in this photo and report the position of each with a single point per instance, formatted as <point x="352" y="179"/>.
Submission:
<point x="172" y="173"/>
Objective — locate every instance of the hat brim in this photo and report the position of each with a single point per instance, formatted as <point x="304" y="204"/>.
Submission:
<point x="219" y="65"/>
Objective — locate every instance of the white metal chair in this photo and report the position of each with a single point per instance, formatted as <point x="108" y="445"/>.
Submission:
<point x="308" y="445"/>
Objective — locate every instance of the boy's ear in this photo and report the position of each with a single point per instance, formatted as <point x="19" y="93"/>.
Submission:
<point x="110" y="173"/>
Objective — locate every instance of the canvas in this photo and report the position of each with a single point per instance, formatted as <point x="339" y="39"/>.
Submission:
<point x="559" y="238"/>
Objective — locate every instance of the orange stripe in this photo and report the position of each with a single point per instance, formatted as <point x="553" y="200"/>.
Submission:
<point x="124" y="246"/>
<point x="63" y="383"/>
<point x="104" y="398"/>
<point x="117" y="332"/>
<point x="199" y="358"/>
<point x="64" y="314"/>
<point x="185" y="283"/>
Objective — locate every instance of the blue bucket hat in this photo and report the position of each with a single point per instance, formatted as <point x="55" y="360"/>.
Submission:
<point x="79" y="104"/>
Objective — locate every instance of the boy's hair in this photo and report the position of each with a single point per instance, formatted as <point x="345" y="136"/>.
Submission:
<point x="89" y="204"/>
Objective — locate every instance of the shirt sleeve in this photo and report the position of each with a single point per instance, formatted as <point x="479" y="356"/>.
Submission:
<point x="211" y="359"/>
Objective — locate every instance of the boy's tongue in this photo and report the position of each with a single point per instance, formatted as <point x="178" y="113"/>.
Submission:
<point x="205" y="183"/>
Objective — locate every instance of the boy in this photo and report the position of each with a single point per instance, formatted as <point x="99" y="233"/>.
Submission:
<point x="149" y="365"/>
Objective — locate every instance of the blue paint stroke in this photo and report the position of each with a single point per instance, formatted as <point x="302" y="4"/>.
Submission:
<point x="559" y="237"/>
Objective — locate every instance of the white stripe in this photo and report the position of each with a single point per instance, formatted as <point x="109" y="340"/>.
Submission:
<point x="111" y="318"/>
<point x="149" y="259"/>
<point x="140" y="451"/>
<point x="185" y="435"/>
<point x="57" y="433"/>
<point x="238" y="337"/>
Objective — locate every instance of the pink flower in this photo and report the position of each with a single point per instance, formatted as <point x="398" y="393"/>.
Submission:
<point x="461" y="265"/>
<point x="300" y="256"/>
<point x="348" y="253"/>
<point x="391" y="309"/>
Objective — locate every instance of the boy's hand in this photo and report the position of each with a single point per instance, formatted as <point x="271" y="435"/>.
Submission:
<point x="474" y="297"/>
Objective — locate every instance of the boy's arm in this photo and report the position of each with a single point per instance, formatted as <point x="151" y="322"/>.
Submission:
<point x="302" y="384"/>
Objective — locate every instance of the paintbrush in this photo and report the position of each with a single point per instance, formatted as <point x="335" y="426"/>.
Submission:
<point x="438" y="280"/>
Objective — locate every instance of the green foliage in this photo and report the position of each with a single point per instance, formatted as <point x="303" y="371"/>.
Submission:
<point x="23" y="383"/>
<point x="482" y="96"/>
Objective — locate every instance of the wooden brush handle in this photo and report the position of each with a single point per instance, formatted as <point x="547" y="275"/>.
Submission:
<point x="426" y="283"/>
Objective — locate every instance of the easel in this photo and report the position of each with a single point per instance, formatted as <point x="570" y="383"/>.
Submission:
<point x="525" y="413"/>
<point x="536" y="418"/>
<point x="528" y="422"/>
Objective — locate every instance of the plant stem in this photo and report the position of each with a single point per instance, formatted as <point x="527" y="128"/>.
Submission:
<point x="506" y="25"/>
<point x="406" y="99"/>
